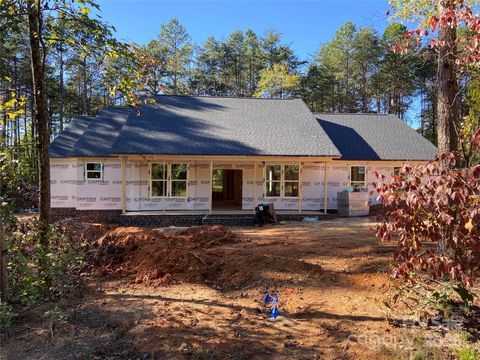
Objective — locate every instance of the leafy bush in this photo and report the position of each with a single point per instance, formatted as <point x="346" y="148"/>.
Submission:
<point x="55" y="317"/>
<point x="446" y="303"/>
<point x="36" y="273"/>
<point x="17" y="179"/>
<point x="437" y="203"/>
<point x="428" y="354"/>
<point x="468" y="354"/>
<point x="6" y="316"/>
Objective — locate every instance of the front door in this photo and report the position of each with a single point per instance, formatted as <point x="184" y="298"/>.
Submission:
<point x="227" y="189"/>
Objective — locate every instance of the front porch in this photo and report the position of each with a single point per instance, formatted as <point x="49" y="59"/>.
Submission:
<point x="213" y="185"/>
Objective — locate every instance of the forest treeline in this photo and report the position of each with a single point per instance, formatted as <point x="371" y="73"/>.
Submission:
<point x="356" y="71"/>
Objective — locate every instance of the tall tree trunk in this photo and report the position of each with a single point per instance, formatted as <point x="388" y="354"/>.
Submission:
<point x="175" y="83"/>
<point x="250" y="78"/>
<point x="84" y="90"/>
<point x="447" y="100"/>
<point x="60" y="112"/>
<point x="15" y="106"/>
<point x="4" y="130"/>
<point x="41" y="114"/>
<point x="3" y="265"/>
<point x="365" y="98"/>
<point x="346" y="103"/>
<point x="25" y="127"/>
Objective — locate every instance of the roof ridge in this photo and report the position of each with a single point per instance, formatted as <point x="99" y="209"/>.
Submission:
<point x="351" y="113"/>
<point x="224" y="97"/>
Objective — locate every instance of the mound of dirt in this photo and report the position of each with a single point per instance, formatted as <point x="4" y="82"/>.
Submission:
<point x="84" y="234"/>
<point x="155" y="258"/>
<point x="207" y="254"/>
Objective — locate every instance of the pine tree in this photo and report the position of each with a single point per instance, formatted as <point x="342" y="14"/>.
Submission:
<point x="177" y="48"/>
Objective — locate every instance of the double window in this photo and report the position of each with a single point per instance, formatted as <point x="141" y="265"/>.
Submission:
<point x="282" y="180"/>
<point x="168" y="180"/>
<point x="93" y="171"/>
<point x="358" y="175"/>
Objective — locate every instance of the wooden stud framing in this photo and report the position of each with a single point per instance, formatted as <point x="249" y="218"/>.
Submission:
<point x="211" y="187"/>
<point x="325" y="189"/>
<point x="254" y="184"/>
<point x="124" y="186"/>
<point x="300" y="187"/>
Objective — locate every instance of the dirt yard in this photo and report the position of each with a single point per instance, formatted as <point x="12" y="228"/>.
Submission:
<point x="189" y="300"/>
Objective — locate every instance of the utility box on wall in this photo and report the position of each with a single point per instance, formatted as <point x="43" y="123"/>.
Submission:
<point x="353" y="203"/>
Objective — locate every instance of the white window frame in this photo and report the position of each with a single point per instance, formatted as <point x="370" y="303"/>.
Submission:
<point x="168" y="179"/>
<point x="85" y="173"/>
<point x="282" y="181"/>
<point x="350" y="175"/>
<point x="151" y="180"/>
<point x="273" y="181"/>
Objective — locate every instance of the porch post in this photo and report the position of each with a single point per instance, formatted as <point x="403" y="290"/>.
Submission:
<point x="124" y="185"/>
<point x="300" y="188"/>
<point x="325" y="189"/>
<point x="211" y="187"/>
<point x="254" y="184"/>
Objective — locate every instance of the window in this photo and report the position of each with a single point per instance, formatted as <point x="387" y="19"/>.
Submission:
<point x="357" y="176"/>
<point x="93" y="170"/>
<point x="282" y="180"/>
<point x="179" y="180"/>
<point x="168" y="180"/>
<point x="159" y="180"/>
<point x="291" y="180"/>
<point x="396" y="170"/>
<point x="274" y="180"/>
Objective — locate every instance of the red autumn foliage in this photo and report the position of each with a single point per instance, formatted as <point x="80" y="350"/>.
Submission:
<point x="458" y="13"/>
<point x="433" y="212"/>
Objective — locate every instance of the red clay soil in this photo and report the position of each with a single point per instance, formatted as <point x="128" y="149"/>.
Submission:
<point x="193" y="255"/>
<point x="198" y="294"/>
<point x="154" y="258"/>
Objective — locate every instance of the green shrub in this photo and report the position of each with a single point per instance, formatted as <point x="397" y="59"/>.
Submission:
<point x="427" y="354"/>
<point x="55" y="317"/>
<point x="467" y="353"/>
<point x="36" y="273"/>
<point x="6" y="316"/>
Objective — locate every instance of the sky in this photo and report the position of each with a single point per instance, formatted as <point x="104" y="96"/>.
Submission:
<point x="304" y="24"/>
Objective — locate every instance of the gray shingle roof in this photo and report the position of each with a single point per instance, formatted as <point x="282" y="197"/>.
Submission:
<point x="193" y="125"/>
<point x="102" y="132"/>
<point x="66" y="140"/>
<point x="375" y="137"/>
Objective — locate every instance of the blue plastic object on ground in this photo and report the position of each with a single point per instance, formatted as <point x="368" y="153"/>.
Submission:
<point x="275" y="312"/>
<point x="267" y="299"/>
